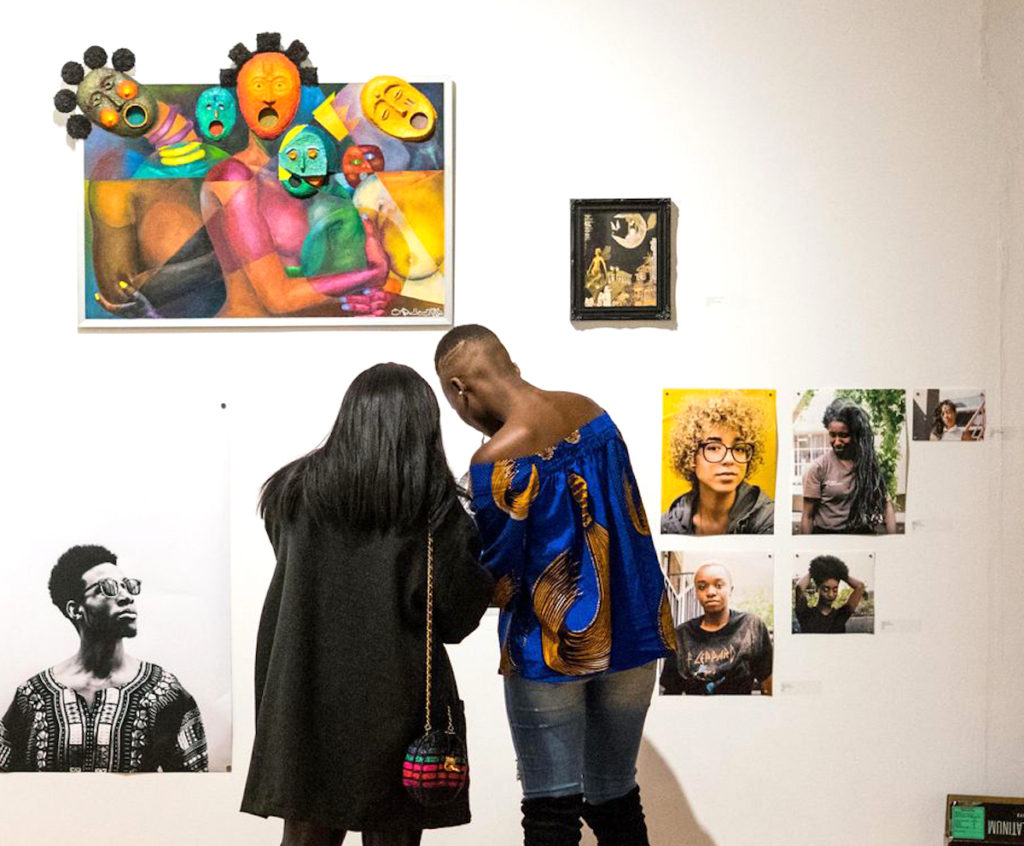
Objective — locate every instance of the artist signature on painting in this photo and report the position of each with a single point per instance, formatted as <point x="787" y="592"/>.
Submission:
<point x="416" y="312"/>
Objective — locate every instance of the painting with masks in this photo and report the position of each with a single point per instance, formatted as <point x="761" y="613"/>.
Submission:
<point x="268" y="198"/>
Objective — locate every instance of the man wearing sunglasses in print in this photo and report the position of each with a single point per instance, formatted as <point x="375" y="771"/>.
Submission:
<point x="101" y="709"/>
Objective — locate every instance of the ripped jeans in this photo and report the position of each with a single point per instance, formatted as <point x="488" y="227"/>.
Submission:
<point x="579" y="736"/>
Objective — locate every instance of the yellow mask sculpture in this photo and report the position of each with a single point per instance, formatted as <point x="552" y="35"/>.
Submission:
<point x="399" y="109"/>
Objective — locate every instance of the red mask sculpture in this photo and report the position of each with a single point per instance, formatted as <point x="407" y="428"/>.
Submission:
<point x="360" y="161"/>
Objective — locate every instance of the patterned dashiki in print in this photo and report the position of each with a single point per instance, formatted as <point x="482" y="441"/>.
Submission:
<point x="151" y="723"/>
<point x="568" y="543"/>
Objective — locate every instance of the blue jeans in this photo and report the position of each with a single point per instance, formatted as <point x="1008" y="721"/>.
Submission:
<point x="579" y="736"/>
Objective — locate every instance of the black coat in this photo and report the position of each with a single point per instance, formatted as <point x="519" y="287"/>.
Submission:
<point x="340" y="670"/>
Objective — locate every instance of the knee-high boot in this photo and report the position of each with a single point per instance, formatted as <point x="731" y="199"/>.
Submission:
<point x="618" y="822"/>
<point x="552" y="820"/>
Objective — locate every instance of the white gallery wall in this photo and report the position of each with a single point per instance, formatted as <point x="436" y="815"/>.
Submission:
<point x="849" y="182"/>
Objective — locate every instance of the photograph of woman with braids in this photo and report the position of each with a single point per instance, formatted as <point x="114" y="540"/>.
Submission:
<point x="849" y="462"/>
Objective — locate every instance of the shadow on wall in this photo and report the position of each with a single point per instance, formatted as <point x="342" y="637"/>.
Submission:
<point x="669" y="816"/>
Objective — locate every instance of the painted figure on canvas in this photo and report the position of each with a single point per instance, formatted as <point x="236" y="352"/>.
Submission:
<point x="189" y="218"/>
<point x="150" y="255"/>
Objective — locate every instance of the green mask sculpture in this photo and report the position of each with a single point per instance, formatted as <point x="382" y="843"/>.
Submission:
<point x="216" y="113"/>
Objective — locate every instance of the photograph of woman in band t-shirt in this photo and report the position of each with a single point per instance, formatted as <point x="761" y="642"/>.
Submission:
<point x="722" y="609"/>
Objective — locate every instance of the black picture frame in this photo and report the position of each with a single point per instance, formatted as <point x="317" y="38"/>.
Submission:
<point x="612" y="275"/>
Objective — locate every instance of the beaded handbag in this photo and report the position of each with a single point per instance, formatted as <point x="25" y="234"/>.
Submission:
<point x="436" y="767"/>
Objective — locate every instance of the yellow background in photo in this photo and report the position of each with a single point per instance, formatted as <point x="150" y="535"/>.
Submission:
<point x="672" y="485"/>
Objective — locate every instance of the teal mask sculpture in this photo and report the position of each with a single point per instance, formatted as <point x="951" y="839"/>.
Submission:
<point x="307" y="158"/>
<point x="216" y="113"/>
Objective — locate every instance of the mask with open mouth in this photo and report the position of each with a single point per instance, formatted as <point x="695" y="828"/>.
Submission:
<point x="107" y="97"/>
<point x="269" y="90"/>
<point x="398" y="108"/>
<point x="216" y="113"/>
<point x="306" y="160"/>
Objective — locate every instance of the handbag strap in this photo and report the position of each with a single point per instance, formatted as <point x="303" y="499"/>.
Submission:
<point x="430" y="636"/>
<point x="430" y="622"/>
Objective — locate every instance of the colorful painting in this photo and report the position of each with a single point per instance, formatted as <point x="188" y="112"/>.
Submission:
<point x="268" y="198"/>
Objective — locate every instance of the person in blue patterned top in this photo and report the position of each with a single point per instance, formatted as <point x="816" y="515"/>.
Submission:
<point x="101" y="709"/>
<point x="584" y="612"/>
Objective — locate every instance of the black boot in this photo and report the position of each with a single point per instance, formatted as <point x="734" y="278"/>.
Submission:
<point x="552" y="820"/>
<point x="618" y="822"/>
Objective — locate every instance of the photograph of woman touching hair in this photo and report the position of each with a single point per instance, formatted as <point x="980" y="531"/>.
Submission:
<point x="718" y="446"/>
<point x="828" y="598"/>
<point x="340" y="654"/>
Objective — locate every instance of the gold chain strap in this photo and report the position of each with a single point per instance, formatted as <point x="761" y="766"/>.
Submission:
<point x="430" y="635"/>
<point x="430" y="622"/>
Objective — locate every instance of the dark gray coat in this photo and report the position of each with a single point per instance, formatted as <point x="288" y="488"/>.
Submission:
<point x="753" y="513"/>
<point x="340" y="679"/>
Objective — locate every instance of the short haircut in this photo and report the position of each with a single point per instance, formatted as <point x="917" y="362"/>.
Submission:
<point x="698" y="416"/>
<point x="718" y="564"/>
<point x="456" y="339"/>
<point x="825" y="567"/>
<point x="66" y="575"/>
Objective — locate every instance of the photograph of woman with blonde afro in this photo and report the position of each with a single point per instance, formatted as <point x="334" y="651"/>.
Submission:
<point x="720" y="452"/>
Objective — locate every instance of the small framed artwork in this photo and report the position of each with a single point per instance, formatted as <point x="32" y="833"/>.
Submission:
<point x="621" y="255"/>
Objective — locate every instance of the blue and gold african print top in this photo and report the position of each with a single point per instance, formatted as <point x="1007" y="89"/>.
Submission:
<point x="568" y="543"/>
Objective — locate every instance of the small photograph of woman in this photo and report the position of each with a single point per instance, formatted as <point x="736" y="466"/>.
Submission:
<point x="341" y="648"/>
<point x="718" y="466"/>
<point x="828" y="598"/>
<point x="949" y="414"/>
<point x="849" y="462"/>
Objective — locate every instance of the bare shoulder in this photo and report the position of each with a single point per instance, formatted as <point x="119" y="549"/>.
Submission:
<point x="577" y="408"/>
<point x="539" y="424"/>
<point x="511" y="441"/>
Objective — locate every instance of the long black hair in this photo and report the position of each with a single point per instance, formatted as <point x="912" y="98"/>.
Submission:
<point x="381" y="467"/>
<point x="867" y="508"/>
<point x="938" y="426"/>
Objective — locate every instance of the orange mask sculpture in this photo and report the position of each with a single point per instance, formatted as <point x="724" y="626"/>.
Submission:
<point x="269" y="89"/>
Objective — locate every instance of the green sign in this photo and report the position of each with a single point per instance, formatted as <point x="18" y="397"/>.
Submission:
<point x="967" y="822"/>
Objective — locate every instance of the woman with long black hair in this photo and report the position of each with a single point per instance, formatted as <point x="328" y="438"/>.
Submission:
<point x="845" y="490"/>
<point x="340" y="655"/>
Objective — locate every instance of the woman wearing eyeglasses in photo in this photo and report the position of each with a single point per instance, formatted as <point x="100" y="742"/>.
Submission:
<point x="341" y="647"/>
<point x="716" y="444"/>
